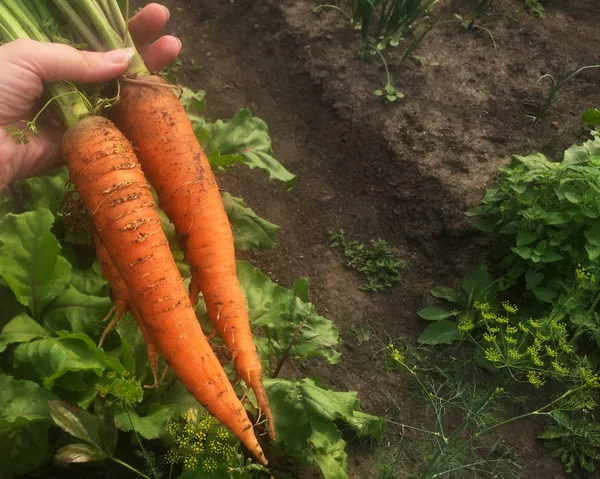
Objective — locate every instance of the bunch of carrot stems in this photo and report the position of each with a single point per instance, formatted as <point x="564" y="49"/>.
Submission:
<point x="146" y="142"/>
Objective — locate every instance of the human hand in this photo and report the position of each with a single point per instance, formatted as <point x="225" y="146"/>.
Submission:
<point x="24" y="67"/>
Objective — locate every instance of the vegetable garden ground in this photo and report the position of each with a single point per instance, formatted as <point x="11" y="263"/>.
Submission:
<point x="443" y="172"/>
<point x="404" y="172"/>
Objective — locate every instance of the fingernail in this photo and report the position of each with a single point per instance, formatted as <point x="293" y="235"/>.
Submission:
<point x="168" y="12"/>
<point x="120" y="56"/>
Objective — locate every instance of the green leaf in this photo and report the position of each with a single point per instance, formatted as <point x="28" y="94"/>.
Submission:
<point x="366" y="425"/>
<point x="445" y="293"/>
<point x="440" y="332"/>
<point x="168" y="406"/>
<point x="333" y="461"/>
<point x="24" y="422"/>
<point x="81" y="424"/>
<point x="434" y="314"/>
<point x="79" y="453"/>
<point x="283" y="315"/>
<point x="523" y="251"/>
<point x="525" y="237"/>
<point x="249" y="230"/>
<point x="77" y="312"/>
<point x="47" y="360"/>
<point x="46" y="191"/>
<point x="546" y="295"/>
<point x="245" y="139"/>
<point x="304" y="416"/>
<point x="591" y="117"/>
<point x="535" y="161"/>
<point x="29" y="259"/>
<point x="88" y="281"/>
<point x="533" y="278"/>
<point x="21" y="329"/>
<point x="477" y="285"/>
<point x="193" y="101"/>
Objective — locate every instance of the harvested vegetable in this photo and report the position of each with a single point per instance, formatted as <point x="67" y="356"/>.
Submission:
<point x="103" y="167"/>
<point x="152" y="118"/>
<point x="124" y="303"/>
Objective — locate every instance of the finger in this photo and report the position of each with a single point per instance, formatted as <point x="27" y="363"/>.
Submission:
<point x="162" y="52"/>
<point x="146" y="25"/>
<point x="52" y="61"/>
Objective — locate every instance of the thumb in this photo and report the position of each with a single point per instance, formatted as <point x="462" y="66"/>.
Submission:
<point x="52" y="61"/>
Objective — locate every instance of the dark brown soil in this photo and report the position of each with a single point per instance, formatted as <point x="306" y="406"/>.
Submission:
<point x="404" y="172"/>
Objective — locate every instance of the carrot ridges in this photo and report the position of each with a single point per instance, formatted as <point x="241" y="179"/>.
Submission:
<point x="165" y="309"/>
<point x="155" y="122"/>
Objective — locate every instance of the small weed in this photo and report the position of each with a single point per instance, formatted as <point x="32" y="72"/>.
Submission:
<point x="389" y="94"/>
<point x="536" y="7"/>
<point x="376" y="262"/>
<point x="556" y="85"/>
<point x="363" y="334"/>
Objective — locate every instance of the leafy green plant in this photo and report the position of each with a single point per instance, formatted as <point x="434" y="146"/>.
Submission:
<point x="476" y="287"/>
<point x="53" y="300"/>
<point x="547" y="216"/>
<point x="575" y="441"/>
<point x="377" y="262"/>
<point x="591" y="117"/>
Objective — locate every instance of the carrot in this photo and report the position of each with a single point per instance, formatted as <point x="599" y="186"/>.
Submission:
<point x="152" y="118"/>
<point x="105" y="170"/>
<point x="123" y="303"/>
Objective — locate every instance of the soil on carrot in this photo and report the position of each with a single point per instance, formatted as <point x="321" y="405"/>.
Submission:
<point x="404" y="172"/>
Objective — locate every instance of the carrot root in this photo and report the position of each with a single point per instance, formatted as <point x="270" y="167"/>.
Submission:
<point x="105" y="170"/>
<point x="154" y="120"/>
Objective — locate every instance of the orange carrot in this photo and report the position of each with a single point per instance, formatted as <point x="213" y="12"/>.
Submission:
<point x="105" y="170"/>
<point x="123" y="303"/>
<point x="152" y="118"/>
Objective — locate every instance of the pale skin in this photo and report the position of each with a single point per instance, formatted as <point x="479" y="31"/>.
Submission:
<point x="26" y="65"/>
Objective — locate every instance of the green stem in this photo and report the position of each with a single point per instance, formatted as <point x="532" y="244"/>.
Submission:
<point x="427" y="394"/>
<point x="120" y="23"/>
<point x="459" y="430"/>
<point x="109" y="38"/>
<point x="25" y="20"/>
<point x="69" y="106"/>
<point x="333" y="7"/>
<point x="537" y="412"/>
<point x="77" y="23"/>
<point x="131" y="468"/>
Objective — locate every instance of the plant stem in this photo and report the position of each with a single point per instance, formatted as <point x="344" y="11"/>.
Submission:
<point x="333" y="7"/>
<point x="387" y="72"/>
<point x="287" y="350"/>
<point x="131" y="468"/>
<point x="77" y="23"/>
<point x="537" y="412"/>
<point x="108" y="32"/>
<point x="70" y="110"/>
<point x="459" y="429"/>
